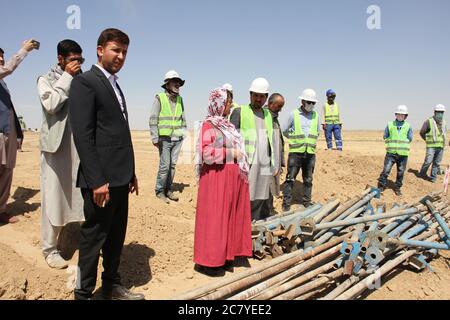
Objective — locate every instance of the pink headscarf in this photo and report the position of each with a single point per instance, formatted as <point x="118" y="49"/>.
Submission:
<point x="217" y="104"/>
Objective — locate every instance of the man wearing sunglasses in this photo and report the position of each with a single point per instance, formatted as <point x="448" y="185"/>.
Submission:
<point x="61" y="201"/>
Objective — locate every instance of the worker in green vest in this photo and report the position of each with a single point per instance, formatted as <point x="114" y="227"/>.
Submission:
<point x="398" y="136"/>
<point x="332" y="124"/>
<point x="167" y="130"/>
<point x="433" y="132"/>
<point x="302" y="131"/>
<point x="256" y="127"/>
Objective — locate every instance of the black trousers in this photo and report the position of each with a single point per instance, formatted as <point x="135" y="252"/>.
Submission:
<point x="104" y="229"/>
<point x="260" y="209"/>
<point x="306" y="162"/>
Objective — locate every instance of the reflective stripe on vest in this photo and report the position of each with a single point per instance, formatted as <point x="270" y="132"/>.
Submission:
<point x="332" y="117"/>
<point x="170" y="124"/>
<point x="298" y="142"/>
<point x="398" y="142"/>
<point x="429" y="138"/>
<point x="249" y="134"/>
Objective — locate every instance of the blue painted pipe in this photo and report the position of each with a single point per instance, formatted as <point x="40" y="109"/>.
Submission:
<point x="416" y="230"/>
<point x="324" y="238"/>
<point x="406" y="224"/>
<point x="374" y="193"/>
<point x="375" y="224"/>
<point x="394" y="224"/>
<point x="438" y="218"/>
<point x="353" y="221"/>
<point x="425" y="244"/>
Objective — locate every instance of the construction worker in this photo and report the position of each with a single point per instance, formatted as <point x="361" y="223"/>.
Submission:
<point x="433" y="132"/>
<point x="302" y="131"/>
<point x="229" y="88"/>
<point x="332" y="121"/>
<point x="275" y="105"/>
<point x="398" y="136"/>
<point x="167" y="129"/>
<point x="256" y="127"/>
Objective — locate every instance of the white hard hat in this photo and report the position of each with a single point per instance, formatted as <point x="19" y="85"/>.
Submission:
<point x="172" y="74"/>
<point x="439" y="108"/>
<point x="260" y="85"/>
<point x="309" y="95"/>
<point x="402" y="110"/>
<point x="228" y="87"/>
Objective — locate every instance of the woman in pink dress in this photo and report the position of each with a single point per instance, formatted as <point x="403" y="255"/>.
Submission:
<point x="223" y="218"/>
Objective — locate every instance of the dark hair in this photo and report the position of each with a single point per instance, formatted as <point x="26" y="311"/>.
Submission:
<point x="230" y="94"/>
<point x="68" y="46"/>
<point x="1" y="51"/>
<point x="112" y="35"/>
<point x="273" y="97"/>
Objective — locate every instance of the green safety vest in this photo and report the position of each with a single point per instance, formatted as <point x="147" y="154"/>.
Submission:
<point x="249" y="134"/>
<point x="440" y="138"/>
<point x="298" y="142"/>
<point x="332" y="117"/>
<point x="398" y="142"/>
<point x="169" y="124"/>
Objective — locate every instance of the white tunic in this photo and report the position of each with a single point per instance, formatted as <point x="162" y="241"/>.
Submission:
<point x="61" y="200"/>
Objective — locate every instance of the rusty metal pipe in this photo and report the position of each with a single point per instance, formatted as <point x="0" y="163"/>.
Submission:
<point x="312" y="285"/>
<point x="286" y="275"/>
<point x="266" y="295"/>
<point x="257" y="274"/>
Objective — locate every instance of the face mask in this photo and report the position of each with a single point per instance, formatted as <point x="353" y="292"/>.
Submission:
<point x="309" y="107"/>
<point x="439" y="116"/>
<point x="400" y="118"/>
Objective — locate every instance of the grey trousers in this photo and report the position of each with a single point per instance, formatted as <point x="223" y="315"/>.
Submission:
<point x="6" y="175"/>
<point x="49" y="235"/>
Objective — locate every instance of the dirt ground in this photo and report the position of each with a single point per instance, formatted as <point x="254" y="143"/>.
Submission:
<point x="157" y="257"/>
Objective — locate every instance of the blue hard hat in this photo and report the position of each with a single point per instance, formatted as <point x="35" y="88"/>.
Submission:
<point x="330" y="92"/>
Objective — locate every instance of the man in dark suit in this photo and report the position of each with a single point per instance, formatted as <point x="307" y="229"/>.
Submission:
<point x="106" y="176"/>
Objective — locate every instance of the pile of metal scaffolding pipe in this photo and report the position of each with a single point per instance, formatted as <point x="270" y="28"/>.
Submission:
<point x="352" y="250"/>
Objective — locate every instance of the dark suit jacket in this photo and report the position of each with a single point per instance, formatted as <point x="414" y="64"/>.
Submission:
<point x="101" y="133"/>
<point x="6" y="107"/>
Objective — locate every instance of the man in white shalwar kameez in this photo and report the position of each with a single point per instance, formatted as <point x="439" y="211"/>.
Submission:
<point x="61" y="201"/>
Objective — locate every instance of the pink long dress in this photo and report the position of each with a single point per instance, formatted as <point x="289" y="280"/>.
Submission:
<point x="223" y="218"/>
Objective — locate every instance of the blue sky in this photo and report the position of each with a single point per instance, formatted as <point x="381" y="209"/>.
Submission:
<point x="294" y="44"/>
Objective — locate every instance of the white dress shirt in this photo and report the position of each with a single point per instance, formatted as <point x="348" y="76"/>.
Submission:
<point x="113" y="80"/>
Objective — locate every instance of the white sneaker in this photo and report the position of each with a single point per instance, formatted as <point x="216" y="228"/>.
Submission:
<point x="54" y="260"/>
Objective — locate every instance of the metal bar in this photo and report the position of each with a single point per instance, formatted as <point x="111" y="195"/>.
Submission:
<point x="438" y="218"/>
<point x="365" y="199"/>
<point x="273" y="223"/>
<point x="360" y="287"/>
<point x="374" y="225"/>
<point x="345" y="285"/>
<point x="375" y="217"/>
<point x="326" y="210"/>
<point x="266" y="295"/>
<point x="291" y="258"/>
<point x="421" y="244"/>
<point x="333" y="231"/>
<point x="254" y="275"/>
<point x="286" y="275"/>
<point x="309" y="286"/>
